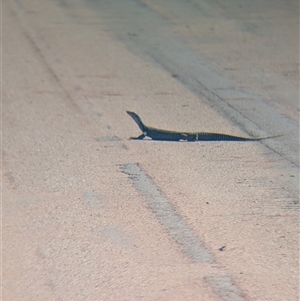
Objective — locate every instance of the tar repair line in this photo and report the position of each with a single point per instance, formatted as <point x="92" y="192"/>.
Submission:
<point x="224" y="288"/>
<point x="179" y="230"/>
<point x="175" y="225"/>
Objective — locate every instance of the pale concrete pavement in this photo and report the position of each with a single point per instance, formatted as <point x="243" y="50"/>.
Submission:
<point x="91" y="215"/>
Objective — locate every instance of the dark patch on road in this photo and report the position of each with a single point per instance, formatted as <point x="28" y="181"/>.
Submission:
<point x="166" y="214"/>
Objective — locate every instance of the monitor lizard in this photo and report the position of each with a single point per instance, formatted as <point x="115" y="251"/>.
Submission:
<point x="165" y="135"/>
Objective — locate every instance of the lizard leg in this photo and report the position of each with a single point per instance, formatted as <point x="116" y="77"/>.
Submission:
<point x="138" y="138"/>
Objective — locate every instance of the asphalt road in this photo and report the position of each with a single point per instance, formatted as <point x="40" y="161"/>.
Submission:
<point x="87" y="213"/>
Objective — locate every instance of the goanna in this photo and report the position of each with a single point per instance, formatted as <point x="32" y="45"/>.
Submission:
<point x="165" y="135"/>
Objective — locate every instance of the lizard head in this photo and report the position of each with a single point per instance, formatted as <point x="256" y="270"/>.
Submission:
<point x="137" y="119"/>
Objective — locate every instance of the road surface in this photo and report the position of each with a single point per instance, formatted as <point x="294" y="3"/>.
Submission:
<point x="87" y="213"/>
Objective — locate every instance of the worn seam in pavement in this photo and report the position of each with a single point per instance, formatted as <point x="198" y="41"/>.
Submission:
<point x="180" y="231"/>
<point x="166" y="214"/>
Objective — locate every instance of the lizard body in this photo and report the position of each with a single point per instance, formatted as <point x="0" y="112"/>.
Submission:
<point x="165" y="135"/>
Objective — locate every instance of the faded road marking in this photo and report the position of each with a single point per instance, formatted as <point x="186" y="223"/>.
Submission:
<point x="166" y="214"/>
<point x="224" y="288"/>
